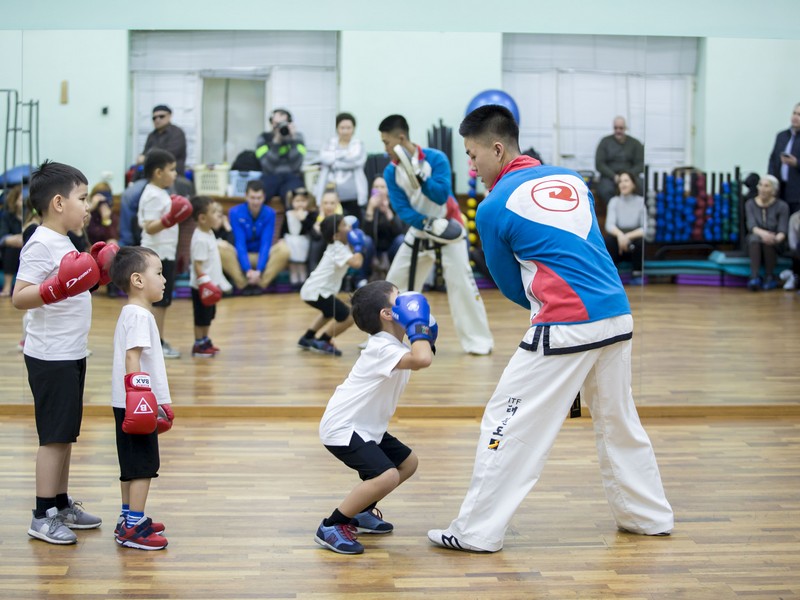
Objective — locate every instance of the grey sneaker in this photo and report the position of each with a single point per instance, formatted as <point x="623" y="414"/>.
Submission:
<point x="169" y="351"/>
<point x="51" y="529"/>
<point x="75" y="517"/>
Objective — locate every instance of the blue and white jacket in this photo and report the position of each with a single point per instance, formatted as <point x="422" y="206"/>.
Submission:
<point x="544" y="248"/>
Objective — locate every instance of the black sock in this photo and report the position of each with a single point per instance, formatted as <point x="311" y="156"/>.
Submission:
<point x="325" y="337"/>
<point x="62" y="501"/>
<point x="370" y="507"/>
<point x="42" y="504"/>
<point x="336" y="518"/>
<point x="309" y="334"/>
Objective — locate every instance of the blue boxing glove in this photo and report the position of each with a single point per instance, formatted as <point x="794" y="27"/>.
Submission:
<point x="355" y="237"/>
<point x="412" y="311"/>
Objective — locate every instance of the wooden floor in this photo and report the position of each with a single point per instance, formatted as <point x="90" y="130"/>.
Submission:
<point x="245" y="480"/>
<point x="697" y="350"/>
<point x="241" y="499"/>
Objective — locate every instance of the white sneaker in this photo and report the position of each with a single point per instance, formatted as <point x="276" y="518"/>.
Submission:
<point x="444" y="539"/>
<point x="791" y="282"/>
<point x="785" y="274"/>
<point x="169" y="351"/>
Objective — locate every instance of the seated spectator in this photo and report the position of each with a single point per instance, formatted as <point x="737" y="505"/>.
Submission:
<point x="166" y="136"/>
<point x="625" y="218"/>
<point x="384" y="227"/>
<point x="103" y="223"/>
<point x="130" y="234"/>
<point x="767" y="221"/>
<point x="328" y="205"/>
<point x="11" y="237"/>
<point x="296" y="232"/>
<point x="342" y="163"/>
<point x="281" y="152"/>
<point x="617" y="153"/>
<point x="254" y="261"/>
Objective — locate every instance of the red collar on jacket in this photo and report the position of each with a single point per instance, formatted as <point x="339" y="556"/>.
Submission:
<point x="523" y="161"/>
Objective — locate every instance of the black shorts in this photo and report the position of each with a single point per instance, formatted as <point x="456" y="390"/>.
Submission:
<point x="331" y="308"/>
<point x="203" y="315"/>
<point x="168" y="271"/>
<point x="371" y="459"/>
<point x="137" y="454"/>
<point x="57" y="387"/>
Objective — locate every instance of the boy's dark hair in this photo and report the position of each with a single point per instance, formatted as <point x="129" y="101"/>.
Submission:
<point x="329" y="226"/>
<point x="394" y="123"/>
<point x="493" y="121"/>
<point x="156" y="159"/>
<point x="367" y="303"/>
<point x="254" y="185"/>
<point x="200" y="206"/>
<point x="53" y="179"/>
<point x="129" y="260"/>
<point x="345" y="116"/>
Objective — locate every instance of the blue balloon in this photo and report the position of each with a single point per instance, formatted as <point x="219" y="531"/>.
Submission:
<point x="494" y="97"/>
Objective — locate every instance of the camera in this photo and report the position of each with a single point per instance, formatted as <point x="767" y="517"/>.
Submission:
<point x="283" y="128"/>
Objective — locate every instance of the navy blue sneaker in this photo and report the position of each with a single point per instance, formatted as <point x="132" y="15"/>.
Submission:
<point x="305" y="343"/>
<point x="371" y="521"/>
<point x="324" y="347"/>
<point x="339" y="538"/>
<point x="754" y="284"/>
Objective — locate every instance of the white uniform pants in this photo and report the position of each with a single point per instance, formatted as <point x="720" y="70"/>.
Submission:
<point x="520" y="425"/>
<point x="466" y="304"/>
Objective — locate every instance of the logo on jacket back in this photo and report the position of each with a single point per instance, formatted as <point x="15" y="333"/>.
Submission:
<point x="560" y="200"/>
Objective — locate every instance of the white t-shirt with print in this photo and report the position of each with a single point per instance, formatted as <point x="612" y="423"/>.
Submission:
<point x="367" y="399"/>
<point x="326" y="280"/>
<point x="136" y="328"/>
<point x="154" y="204"/>
<point x="57" y="331"/>
<point x="204" y="248"/>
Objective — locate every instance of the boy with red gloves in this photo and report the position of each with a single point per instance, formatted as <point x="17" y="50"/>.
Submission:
<point x="139" y="393"/>
<point x="53" y="284"/>
<point x="206" y="280"/>
<point x="159" y="214"/>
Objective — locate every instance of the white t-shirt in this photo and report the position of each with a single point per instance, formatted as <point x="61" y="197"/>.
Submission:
<point x="367" y="399"/>
<point x="205" y="249"/>
<point x="57" y="331"/>
<point x="136" y="328"/>
<point x="154" y="204"/>
<point x="326" y="279"/>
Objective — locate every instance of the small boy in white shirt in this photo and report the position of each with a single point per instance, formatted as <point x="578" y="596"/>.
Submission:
<point x="139" y="394"/>
<point x="354" y="425"/>
<point x="206" y="278"/>
<point x="158" y="215"/>
<point x="321" y="287"/>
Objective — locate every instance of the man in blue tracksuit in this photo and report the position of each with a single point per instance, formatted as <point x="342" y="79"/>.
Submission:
<point x="254" y="261"/>
<point x="419" y="195"/>
<point x="544" y="249"/>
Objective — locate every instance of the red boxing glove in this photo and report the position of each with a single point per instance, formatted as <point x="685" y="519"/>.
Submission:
<point x="140" y="405"/>
<point x="165" y="418"/>
<point x="104" y="255"/>
<point x="210" y="293"/>
<point x="77" y="273"/>
<point x="180" y="211"/>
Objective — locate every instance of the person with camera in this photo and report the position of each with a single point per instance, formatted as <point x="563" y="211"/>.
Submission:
<point x="281" y="152"/>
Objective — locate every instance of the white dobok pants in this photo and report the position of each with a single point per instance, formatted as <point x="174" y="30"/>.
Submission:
<point x="525" y="414"/>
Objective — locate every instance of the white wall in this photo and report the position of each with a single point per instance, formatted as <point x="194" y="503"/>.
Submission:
<point x="746" y="87"/>
<point x="423" y="76"/>
<point x="95" y="66"/>
<point x="745" y="96"/>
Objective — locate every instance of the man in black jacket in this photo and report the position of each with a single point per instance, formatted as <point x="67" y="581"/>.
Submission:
<point x="783" y="162"/>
